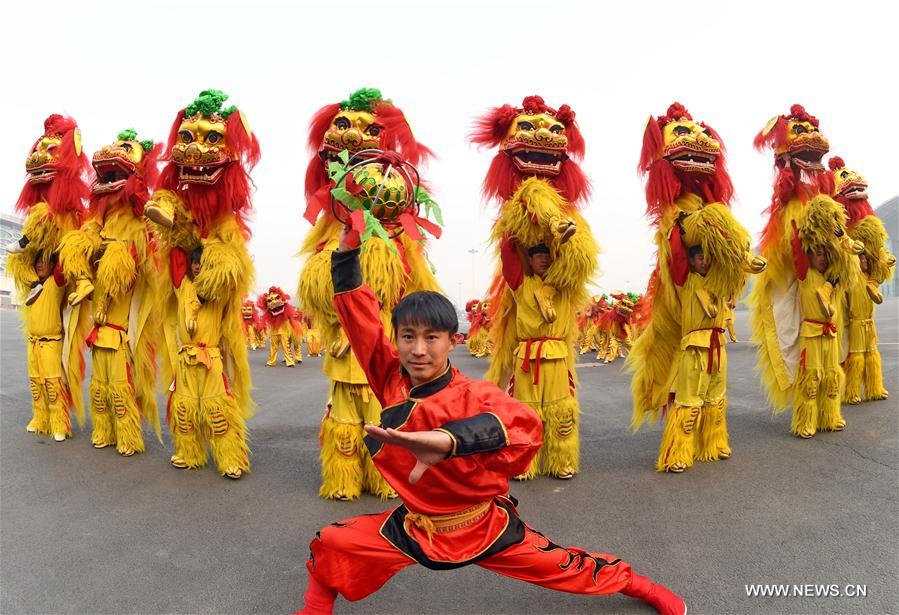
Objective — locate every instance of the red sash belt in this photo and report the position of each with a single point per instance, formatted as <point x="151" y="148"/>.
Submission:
<point x="526" y="364"/>
<point x="714" y="346"/>
<point x="92" y="337"/>
<point x="827" y="327"/>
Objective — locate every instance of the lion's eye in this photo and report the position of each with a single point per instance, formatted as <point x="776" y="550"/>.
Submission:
<point x="799" y="129"/>
<point x="556" y="128"/>
<point x="341" y="123"/>
<point x="681" y="131"/>
<point x="524" y="125"/>
<point x="186" y="136"/>
<point x="213" y="137"/>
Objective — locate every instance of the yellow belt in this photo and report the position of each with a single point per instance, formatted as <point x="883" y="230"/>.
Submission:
<point x="441" y="524"/>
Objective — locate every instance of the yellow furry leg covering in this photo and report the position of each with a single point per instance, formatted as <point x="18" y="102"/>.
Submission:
<point x="855" y="367"/>
<point x="372" y="480"/>
<point x="534" y="469"/>
<point x="804" y="422"/>
<point x="342" y="466"/>
<point x="121" y="402"/>
<point x="187" y="435"/>
<point x="713" y="443"/>
<point x="561" y="438"/>
<point x="272" y="350"/>
<point x="40" y="412"/>
<point x="58" y="406"/>
<point x="101" y="416"/>
<point x="227" y="433"/>
<point x="677" y="447"/>
<point x="874" y="388"/>
<point x="285" y="348"/>
<point x="829" y="416"/>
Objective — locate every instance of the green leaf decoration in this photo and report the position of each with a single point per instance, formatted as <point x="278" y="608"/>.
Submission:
<point x="346" y="197"/>
<point x="363" y="99"/>
<point x="373" y="226"/>
<point x="147" y="144"/>
<point x="129" y="134"/>
<point x="430" y="205"/>
<point x="344" y="156"/>
<point x="209" y="102"/>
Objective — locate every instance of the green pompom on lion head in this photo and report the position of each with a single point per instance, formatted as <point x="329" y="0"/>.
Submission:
<point x="129" y="134"/>
<point x="363" y="99"/>
<point x="209" y="102"/>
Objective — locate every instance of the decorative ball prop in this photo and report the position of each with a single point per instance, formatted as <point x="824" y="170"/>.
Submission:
<point x="379" y="183"/>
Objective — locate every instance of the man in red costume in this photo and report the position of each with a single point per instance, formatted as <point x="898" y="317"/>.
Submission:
<point x="448" y="446"/>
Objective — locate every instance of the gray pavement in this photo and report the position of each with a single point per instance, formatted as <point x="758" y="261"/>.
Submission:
<point x="86" y="531"/>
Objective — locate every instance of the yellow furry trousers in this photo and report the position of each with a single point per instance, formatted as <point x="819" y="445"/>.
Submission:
<point x="696" y="426"/>
<point x="816" y="391"/>
<point x="114" y="412"/>
<point x="49" y="397"/>
<point x="863" y="365"/>
<point x="281" y="340"/>
<point x="612" y="349"/>
<point x="864" y="369"/>
<point x="553" y="398"/>
<point x="296" y="342"/>
<point x="201" y="411"/>
<point x="347" y="467"/>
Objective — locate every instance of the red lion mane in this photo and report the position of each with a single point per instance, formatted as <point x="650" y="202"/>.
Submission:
<point x="503" y="177"/>
<point x="665" y="183"/>
<point x="789" y="182"/>
<point x="69" y="189"/>
<point x="231" y="193"/>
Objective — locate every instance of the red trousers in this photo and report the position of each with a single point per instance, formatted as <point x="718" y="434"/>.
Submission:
<point x="353" y="558"/>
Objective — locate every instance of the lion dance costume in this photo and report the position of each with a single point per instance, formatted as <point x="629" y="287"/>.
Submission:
<point x="201" y="213"/>
<point x="540" y="187"/>
<point x="297" y="333"/>
<point x="795" y="358"/>
<point x="679" y="361"/>
<point x="863" y="365"/>
<point x="479" y="342"/>
<point x="253" y="326"/>
<point x="392" y="266"/>
<point x="52" y="202"/>
<point x="281" y="323"/>
<point x="112" y="262"/>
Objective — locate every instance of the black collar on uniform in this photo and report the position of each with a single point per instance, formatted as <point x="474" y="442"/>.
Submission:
<point x="426" y="389"/>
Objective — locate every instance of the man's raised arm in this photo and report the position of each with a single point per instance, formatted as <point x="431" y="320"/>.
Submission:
<point x="359" y="314"/>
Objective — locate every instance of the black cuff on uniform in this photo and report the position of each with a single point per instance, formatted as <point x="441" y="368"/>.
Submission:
<point x="480" y="433"/>
<point x="345" y="270"/>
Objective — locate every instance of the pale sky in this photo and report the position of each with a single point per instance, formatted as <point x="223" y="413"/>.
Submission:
<point x="115" y="65"/>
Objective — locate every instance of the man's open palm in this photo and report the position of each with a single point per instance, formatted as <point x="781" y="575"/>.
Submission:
<point x="429" y="447"/>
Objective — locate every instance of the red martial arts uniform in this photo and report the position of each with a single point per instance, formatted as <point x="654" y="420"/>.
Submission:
<point x="459" y="512"/>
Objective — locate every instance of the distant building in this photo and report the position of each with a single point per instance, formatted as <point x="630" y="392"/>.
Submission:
<point x="10" y="230"/>
<point x="888" y="212"/>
